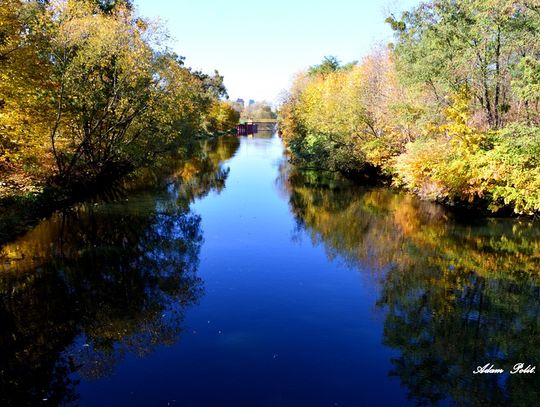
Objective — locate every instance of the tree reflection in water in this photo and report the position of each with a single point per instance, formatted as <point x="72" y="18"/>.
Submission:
<point x="456" y="294"/>
<point x="90" y="285"/>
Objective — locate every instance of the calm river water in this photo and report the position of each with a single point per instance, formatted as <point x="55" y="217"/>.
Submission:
<point x="243" y="282"/>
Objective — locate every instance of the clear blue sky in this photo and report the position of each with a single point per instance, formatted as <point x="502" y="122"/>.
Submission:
<point x="258" y="46"/>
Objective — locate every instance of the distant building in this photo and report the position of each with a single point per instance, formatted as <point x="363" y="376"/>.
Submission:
<point x="251" y="102"/>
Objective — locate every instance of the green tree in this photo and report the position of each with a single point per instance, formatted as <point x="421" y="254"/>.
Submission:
<point x="443" y="45"/>
<point x="328" y="65"/>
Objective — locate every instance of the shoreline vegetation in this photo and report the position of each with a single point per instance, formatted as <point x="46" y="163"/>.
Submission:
<point x="449" y="111"/>
<point x="21" y="212"/>
<point x="89" y="93"/>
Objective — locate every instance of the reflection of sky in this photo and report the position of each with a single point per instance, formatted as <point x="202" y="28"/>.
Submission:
<point x="279" y="289"/>
<point x="278" y="324"/>
<point x="259" y="45"/>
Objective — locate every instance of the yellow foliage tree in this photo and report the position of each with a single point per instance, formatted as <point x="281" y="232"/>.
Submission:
<point x="23" y="78"/>
<point x="222" y="117"/>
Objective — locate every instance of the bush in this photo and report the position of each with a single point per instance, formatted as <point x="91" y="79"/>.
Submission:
<point x="512" y="170"/>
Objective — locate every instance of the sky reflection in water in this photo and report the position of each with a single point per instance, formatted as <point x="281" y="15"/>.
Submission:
<point x="250" y="283"/>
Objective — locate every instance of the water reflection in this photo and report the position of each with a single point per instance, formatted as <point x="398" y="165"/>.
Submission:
<point x="455" y="295"/>
<point x="95" y="283"/>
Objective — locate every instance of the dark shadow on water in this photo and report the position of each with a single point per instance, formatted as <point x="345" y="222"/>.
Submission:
<point x="98" y="282"/>
<point x="107" y="281"/>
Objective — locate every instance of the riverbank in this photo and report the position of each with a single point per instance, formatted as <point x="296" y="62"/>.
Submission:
<point x="250" y="267"/>
<point x="371" y="176"/>
<point x="82" y="109"/>
<point x="499" y="177"/>
<point x="449" y="110"/>
<point x="494" y="172"/>
<point x="24" y="204"/>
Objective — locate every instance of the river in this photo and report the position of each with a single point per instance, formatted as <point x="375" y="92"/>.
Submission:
<point x="241" y="281"/>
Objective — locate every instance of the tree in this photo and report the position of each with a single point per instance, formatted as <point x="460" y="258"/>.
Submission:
<point x="222" y="117"/>
<point x="258" y="111"/>
<point x="103" y="73"/>
<point x="445" y="44"/>
<point x="527" y="85"/>
<point x="86" y="97"/>
<point x="328" y="65"/>
<point x="23" y="77"/>
<point x="344" y="119"/>
<point x="438" y="112"/>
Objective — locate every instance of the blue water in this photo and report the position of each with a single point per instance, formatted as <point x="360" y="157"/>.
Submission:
<point x="279" y="324"/>
<point x="296" y="291"/>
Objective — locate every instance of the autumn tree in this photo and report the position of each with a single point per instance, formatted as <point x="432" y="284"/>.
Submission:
<point x="89" y="92"/>
<point x="343" y="118"/>
<point x="24" y="76"/>
<point x="222" y="117"/>
<point x="449" y="111"/>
